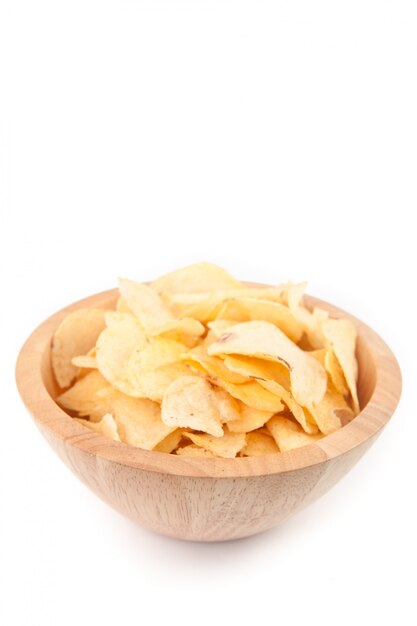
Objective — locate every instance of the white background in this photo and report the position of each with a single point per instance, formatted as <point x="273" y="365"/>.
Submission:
<point x="276" y="138"/>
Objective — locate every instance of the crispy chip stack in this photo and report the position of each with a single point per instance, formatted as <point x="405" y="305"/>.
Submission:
<point x="200" y="364"/>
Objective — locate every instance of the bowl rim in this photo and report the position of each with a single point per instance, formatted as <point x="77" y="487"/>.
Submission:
<point x="55" y="422"/>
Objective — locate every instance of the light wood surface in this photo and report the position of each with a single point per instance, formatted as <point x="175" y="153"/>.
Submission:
<point x="208" y="499"/>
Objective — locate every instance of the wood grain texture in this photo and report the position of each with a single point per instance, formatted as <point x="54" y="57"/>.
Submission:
<point x="206" y="499"/>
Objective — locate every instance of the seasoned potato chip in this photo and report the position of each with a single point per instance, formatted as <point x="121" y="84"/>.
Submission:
<point x="116" y="345"/>
<point x="205" y="306"/>
<point x="254" y="395"/>
<point x="193" y="450"/>
<point x="266" y="341"/>
<point x="218" y="327"/>
<point x="250" y="419"/>
<point x="258" y="369"/>
<point x="149" y="383"/>
<point x="152" y="368"/>
<point x="201" y="307"/>
<point x="121" y="306"/>
<point x="196" y="278"/>
<point x="199" y="360"/>
<point x="246" y="309"/>
<point x="83" y="397"/>
<point x="226" y="446"/>
<point x="293" y="294"/>
<point x="106" y="426"/>
<point x="341" y="337"/>
<point x="152" y="313"/>
<point x="193" y="402"/>
<point x="325" y="415"/>
<point x="319" y="355"/>
<point x="138" y="419"/>
<point x="87" y="361"/>
<point x="259" y="444"/>
<point x="76" y="334"/>
<point x="170" y="443"/>
<point x="298" y="412"/>
<point x="288" y="434"/>
<point x="335" y="372"/>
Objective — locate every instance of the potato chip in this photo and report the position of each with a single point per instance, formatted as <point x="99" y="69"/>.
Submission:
<point x="106" y="426"/>
<point x="205" y="306"/>
<point x="259" y="444"/>
<point x="153" y="313"/>
<point x="153" y="383"/>
<point x="250" y="419"/>
<point x="170" y="443"/>
<point x="196" y="278"/>
<point x="152" y="368"/>
<point x="258" y="369"/>
<point x="335" y="372"/>
<point x="116" y="345"/>
<point x="302" y="417"/>
<point x="83" y="396"/>
<point x="199" y="360"/>
<point x="293" y="294"/>
<point x="340" y="335"/>
<point x="319" y="355"/>
<point x="226" y="446"/>
<point x="325" y="413"/>
<point x="121" y="306"/>
<point x="138" y="419"/>
<point x="193" y="450"/>
<point x="86" y="362"/>
<point x="254" y="395"/>
<point x="218" y="327"/>
<point x="264" y="340"/>
<point x="122" y="350"/>
<point x="288" y="434"/>
<point x="201" y="307"/>
<point x="246" y="309"/>
<point x="75" y="335"/>
<point x="192" y="402"/>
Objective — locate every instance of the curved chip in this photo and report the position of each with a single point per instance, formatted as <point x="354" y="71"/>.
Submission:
<point x="76" y="334"/>
<point x="264" y="340"/>
<point x="288" y="434"/>
<point x="196" y="278"/>
<point x="152" y="313"/>
<point x="170" y="443"/>
<point x="138" y="419"/>
<point x="247" y="309"/>
<point x="83" y="397"/>
<point x="335" y="372"/>
<point x="106" y="426"/>
<point x="116" y="345"/>
<point x="341" y="337"/>
<point x="250" y="419"/>
<point x="193" y="402"/>
<point x="259" y="444"/>
<point x="226" y="446"/>
<point x="302" y="417"/>
<point x="199" y="360"/>
<point x="325" y="413"/>
<point x="258" y="369"/>
<point x="254" y="395"/>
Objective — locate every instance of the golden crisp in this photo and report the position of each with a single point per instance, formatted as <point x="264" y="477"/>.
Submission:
<point x="199" y="364"/>
<point x="75" y="336"/>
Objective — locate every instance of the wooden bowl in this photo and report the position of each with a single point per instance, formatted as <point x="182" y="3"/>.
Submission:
<point x="206" y="499"/>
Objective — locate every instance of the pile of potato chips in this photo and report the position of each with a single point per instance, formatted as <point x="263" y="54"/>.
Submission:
<point x="200" y="364"/>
